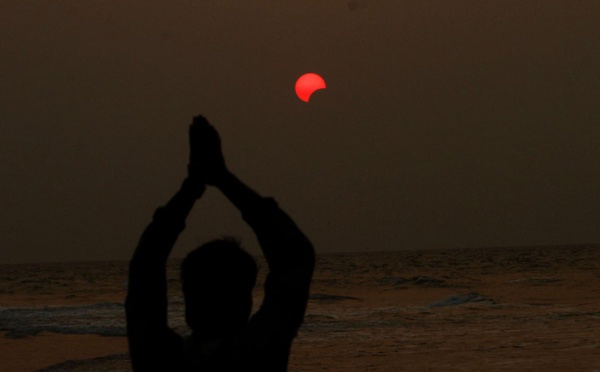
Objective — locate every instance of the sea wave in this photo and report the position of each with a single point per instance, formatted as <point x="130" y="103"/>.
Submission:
<point x="108" y="318"/>
<point x="105" y="318"/>
<point x="112" y="362"/>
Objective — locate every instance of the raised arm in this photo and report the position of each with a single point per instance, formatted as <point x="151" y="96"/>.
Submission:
<point x="146" y="302"/>
<point x="288" y="252"/>
<point x="285" y="247"/>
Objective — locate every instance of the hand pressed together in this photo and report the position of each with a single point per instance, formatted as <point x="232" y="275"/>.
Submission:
<point x="206" y="157"/>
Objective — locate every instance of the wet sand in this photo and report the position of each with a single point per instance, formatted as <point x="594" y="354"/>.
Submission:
<point x="45" y="349"/>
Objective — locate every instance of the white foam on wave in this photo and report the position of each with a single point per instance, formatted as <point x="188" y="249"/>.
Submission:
<point x="105" y="319"/>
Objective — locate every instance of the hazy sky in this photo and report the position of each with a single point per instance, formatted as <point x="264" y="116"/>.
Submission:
<point x="444" y="124"/>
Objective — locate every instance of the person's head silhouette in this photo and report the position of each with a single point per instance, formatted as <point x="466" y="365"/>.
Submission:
<point x="217" y="280"/>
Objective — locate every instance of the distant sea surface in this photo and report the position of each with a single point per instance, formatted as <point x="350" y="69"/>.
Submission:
<point x="526" y="308"/>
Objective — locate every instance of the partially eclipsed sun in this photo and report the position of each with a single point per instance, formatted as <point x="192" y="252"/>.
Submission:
<point x="307" y="84"/>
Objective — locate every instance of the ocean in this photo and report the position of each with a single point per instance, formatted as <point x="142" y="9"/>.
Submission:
<point x="523" y="308"/>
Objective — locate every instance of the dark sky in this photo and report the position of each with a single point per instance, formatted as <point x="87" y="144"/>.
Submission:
<point x="444" y="123"/>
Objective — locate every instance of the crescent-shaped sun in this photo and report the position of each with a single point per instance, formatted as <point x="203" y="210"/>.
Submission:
<point x="307" y="84"/>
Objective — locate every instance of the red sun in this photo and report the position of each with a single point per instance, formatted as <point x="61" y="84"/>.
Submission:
<point x="307" y="84"/>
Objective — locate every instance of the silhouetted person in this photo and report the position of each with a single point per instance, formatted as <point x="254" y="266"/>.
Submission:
<point x="217" y="279"/>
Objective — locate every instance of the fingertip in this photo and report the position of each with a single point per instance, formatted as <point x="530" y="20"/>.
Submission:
<point x="200" y="119"/>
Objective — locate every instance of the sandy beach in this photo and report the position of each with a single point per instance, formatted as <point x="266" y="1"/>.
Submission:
<point x="517" y="309"/>
<point x="46" y="349"/>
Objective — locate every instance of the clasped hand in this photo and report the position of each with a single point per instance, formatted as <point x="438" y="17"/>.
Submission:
<point x="206" y="163"/>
